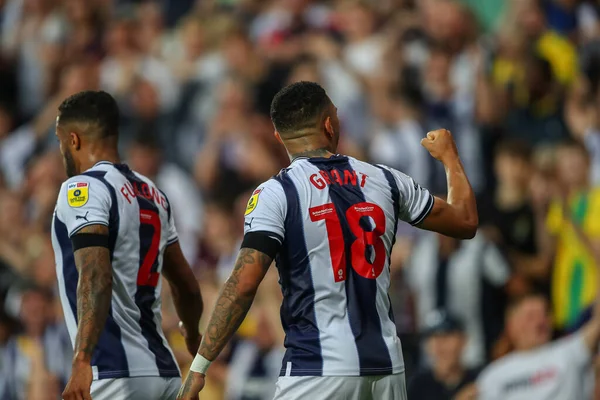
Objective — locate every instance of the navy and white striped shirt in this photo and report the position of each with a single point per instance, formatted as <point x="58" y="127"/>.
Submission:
<point x="140" y="225"/>
<point x="336" y="220"/>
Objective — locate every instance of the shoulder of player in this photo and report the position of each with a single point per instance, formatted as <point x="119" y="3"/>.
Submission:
<point x="76" y="191"/>
<point x="272" y="185"/>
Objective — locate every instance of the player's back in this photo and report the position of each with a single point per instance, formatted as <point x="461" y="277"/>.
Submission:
<point x="140" y="227"/>
<point x="339" y="218"/>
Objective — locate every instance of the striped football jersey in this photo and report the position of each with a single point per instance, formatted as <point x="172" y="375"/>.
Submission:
<point x="336" y="220"/>
<point x="140" y="224"/>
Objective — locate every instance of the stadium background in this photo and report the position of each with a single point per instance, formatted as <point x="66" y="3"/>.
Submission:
<point x="513" y="79"/>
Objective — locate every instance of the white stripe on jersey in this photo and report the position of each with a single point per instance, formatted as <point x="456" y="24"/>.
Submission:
<point x="132" y="343"/>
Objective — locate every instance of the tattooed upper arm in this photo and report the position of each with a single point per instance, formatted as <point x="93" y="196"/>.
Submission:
<point x="251" y="266"/>
<point x="94" y="292"/>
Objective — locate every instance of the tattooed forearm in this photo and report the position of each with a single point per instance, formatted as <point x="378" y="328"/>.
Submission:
<point x="94" y="291"/>
<point x="186" y="387"/>
<point x="234" y="301"/>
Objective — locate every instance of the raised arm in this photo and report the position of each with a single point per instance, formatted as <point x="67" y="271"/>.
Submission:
<point x="186" y="294"/>
<point x="231" y="308"/>
<point x="94" y="293"/>
<point x="456" y="217"/>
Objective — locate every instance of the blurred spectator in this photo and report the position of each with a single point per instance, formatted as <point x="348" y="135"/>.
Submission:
<point x="446" y="378"/>
<point x="364" y="50"/>
<point x="550" y="45"/>
<point x="466" y="279"/>
<point x="534" y="367"/>
<point x="41" y="334"/>
<point x="34" y="43"/>
<point x="233" y="158"/>
<point x="574" y="230"/>
<point x="507" y="218"/>
<point x="126" y="64"/>
<point x="397" y="141"/>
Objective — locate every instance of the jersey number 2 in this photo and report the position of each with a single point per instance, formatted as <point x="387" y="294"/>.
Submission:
<point x="145" y="275"/>
<point x="358" y="249"/>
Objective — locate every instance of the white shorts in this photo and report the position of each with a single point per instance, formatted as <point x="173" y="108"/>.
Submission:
<point x="136" y="388"/>
<point x="387" y="387"/>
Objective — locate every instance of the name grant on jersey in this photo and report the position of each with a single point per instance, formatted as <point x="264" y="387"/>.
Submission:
<point x="131" y="191"/>
<point x="333" y="177"/>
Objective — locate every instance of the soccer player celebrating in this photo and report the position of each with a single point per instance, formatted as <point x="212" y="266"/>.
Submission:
<point x="113" y="236"/>
<point x="330" y="222"/>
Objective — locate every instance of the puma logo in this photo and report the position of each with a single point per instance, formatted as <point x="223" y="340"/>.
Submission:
<point x="84" y="217"/>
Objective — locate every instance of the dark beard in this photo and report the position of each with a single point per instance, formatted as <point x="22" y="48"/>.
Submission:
<point x="70" y="167"/>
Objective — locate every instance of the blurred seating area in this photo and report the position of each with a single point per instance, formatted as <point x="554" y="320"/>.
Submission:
<point x="516" y="81"/>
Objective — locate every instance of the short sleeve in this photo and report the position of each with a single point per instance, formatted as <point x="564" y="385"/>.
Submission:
<point x="83" y="201"/>
<point x="415" y="201"/>
<point x="266" y="210"/>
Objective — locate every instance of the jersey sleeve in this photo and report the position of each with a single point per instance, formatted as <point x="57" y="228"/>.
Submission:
<point x="266" y="210"/>
<point x="83" y="201"/>
<point x="415" y="201"/>
<point x="172" y="235"/>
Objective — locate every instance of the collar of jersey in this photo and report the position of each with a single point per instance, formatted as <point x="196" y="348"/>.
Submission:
<point x="319" y="159"/>
<point x="101" y="163"/>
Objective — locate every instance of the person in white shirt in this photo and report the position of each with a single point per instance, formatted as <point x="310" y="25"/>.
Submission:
<point x="537" y="368"/>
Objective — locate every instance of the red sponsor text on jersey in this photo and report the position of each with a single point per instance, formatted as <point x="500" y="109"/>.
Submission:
<point x="82" y="184"/>
<point x="132" y="190"/>
<point x="335" y="177"/>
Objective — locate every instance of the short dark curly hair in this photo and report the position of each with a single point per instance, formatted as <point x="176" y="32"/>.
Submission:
<point x="95" y="107"/>
<point x="297" y="106"/>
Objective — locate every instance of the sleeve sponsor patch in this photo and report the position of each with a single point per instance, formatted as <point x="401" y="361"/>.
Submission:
<point x="78" y="194"/>
<point x="253" y="202"/>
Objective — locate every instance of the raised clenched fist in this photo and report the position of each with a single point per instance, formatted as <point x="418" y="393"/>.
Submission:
<point x="440" y="145"/>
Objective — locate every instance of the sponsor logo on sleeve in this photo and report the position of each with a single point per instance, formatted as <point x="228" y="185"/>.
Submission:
<point x="253" y="202"/>
<point x="77" y="194"/>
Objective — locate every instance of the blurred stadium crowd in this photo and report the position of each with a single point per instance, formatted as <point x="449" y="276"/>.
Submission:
<point x="516" y="81"/>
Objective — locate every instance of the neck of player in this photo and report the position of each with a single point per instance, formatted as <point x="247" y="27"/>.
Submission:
<point x="110" y="155"/>
<point x="308" y="147"/>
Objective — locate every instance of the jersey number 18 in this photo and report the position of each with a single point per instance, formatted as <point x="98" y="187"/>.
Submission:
<point x="363" y="238"/>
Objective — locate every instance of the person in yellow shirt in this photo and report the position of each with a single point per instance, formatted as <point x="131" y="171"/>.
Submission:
<point x="526" y="31"/>
<point x="574" y="223"/>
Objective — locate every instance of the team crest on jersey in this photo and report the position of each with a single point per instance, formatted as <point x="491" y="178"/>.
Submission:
<point x="77" y="194"/>
<point x="253" y="202"/>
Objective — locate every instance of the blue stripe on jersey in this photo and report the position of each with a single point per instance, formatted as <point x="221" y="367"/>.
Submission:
<point x="109" y="356"/>
<point x="168" y="203"/>
<point x="297" y="310"/>
<point x="145" y="296"/>
<point x="69" y="270"/>
<point x="396" y="201"/>
<point x="361" y="293"/>
<point x="113" y="216"/>
<point x="425" y="212"/>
